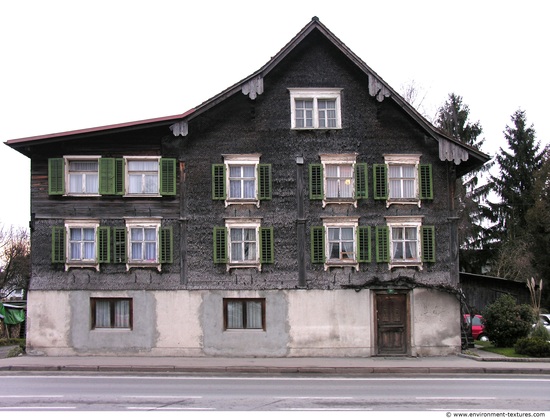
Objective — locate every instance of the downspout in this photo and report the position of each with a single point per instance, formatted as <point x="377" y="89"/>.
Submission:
<point x="183" y="220"/>
<point x="453" y="225"/>
<point x="300" y="222"/>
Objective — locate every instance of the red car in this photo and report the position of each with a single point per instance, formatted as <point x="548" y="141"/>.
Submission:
<point x="478" y="328"/>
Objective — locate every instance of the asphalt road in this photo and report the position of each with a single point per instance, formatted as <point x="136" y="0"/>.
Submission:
<point x="62" y="392"/>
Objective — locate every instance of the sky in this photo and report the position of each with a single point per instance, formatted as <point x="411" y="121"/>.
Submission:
<point x="76" y="64"/>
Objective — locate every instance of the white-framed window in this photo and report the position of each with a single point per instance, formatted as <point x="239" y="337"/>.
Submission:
<point x="244" y="313"/>
<point x="405" y="241"/>
<point x="81" y="243"/>
<point x="82" y="175"/>
<point x="108" y="313"/>
<point x="241" y="179"/>
<point x="315" y="108"/>
<point x="142" y="176"/>
<point x="243" y="243"/>
<point x="143" y="242"/>
<point x="341" y="241"/>
<point x="403" y="178"/>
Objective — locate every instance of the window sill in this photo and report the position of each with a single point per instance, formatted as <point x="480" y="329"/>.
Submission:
<point x="336" y="128"/>
<point x="257" y="266"/>
<point x="111" y="329"/>
<point x="147" y="195"/>
<point x="154" y="265"/>
<point x="340" y="201"/>
<point x="405" y="264"/>
<point x="341" y="263"/>
<point x="255" y="202"/>
<point x="82" y="195"/>
<point x="83" y="265"/>
<point x="233" y="330"/>
<point x="390" y="202"/>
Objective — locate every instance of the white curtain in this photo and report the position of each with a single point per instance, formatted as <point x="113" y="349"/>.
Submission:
<point x="402" y="180"/>
<point x="304" y="113"/>
<point x="405" y="243"/>
<point x="339" y="180"/>
<point x="243" y="244"/>
<point x="122" y="314"/>
<point x="242" y="182"/>
<point x="144" y="244"/>
<point x="327" y="113"/>
<point x="102" y="314"/>
<point x="253" y="314"/>
<point x="83" y="177"/>
<point x="143" y="176"/>
<point x="234" y="315"/>
<point x="82" y="243"/>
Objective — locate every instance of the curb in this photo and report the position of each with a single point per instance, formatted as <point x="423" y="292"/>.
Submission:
<point x="355" y="371"/>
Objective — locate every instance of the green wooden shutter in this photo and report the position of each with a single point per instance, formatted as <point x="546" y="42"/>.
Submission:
<point x="220" y="245"/>
<point x="382" y="244"/>
<point x="119" y="245"/>
<point x="428" y="244"/>
<point x="264" y="181"/>
<point x="380" y="181"/>
<point x="168" y="176"/>
<point x="266" y="245"/>
<point x="104" y="244"/>
<point x="361" y="181"/>
<point x="119" y="176"/>
<point x="316" y="181"/>
<point x="363" y="244"/>
<point x="166" y="245"/>
<point x="218" y="181"/>
<point x="317" y="244"/>
<point x="58" y="244"/>
<point x="56" y="176"/>
<point x="107" y="176"/>
<point x="426" y="181"/>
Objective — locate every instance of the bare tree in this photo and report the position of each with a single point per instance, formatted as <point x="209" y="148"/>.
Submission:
<point x="15" y="269"/>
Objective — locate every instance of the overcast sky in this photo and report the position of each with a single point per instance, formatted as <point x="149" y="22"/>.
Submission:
<point x="78" y="64"/>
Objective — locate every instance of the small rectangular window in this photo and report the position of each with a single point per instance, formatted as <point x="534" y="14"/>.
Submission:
<point x="244" y="313"/>
<point x="315" y="108"/>
<point x="82" y="244"/>
<point x="111" y="313"/>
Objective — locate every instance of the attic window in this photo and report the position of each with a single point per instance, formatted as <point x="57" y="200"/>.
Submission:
<point x="315" y="108"/>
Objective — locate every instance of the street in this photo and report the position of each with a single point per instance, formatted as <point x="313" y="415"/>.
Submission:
<point x="64" y="392"/>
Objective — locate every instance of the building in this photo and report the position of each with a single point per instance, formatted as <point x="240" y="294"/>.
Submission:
<point x="307" y="210"/>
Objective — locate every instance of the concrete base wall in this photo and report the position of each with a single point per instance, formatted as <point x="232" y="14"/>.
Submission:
<point x="299" y="323"/>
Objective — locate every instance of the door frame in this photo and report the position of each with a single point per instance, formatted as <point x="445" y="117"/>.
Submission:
<point x="408" y="325"/>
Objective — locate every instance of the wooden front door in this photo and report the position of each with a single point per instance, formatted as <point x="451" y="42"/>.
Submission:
<point x="391" y="324"/>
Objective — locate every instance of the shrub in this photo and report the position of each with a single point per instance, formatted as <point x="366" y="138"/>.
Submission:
<point x="540" y="331"/>
<point x="533" y="347"/>
<point x="506" y="321"/>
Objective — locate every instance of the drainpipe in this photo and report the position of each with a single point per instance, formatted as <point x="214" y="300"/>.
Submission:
<point x="453" y="225"/>
<point x="300" y="222"/>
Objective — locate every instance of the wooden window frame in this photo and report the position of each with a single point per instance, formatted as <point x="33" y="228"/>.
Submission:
<point x="112" y="302"/>
<point x="244" y="301"/>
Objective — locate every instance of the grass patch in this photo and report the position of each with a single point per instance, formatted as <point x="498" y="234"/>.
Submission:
<point x="503" y="351"/>
<point x="13" y="341"/>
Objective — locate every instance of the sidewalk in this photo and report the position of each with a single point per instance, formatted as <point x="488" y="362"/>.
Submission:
<point x="476" y="361"/>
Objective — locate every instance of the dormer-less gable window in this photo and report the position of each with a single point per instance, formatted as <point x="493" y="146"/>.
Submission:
<point x="315" y="108"/>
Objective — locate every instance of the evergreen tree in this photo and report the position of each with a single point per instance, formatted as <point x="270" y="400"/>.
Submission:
<point x="453" y="118"/>
<point x="514" y="182"/>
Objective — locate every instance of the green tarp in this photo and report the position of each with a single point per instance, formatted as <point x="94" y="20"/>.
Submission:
<point x="12" y="316"/>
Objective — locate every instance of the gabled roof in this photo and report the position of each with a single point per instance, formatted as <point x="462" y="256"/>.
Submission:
<point x="450" y="149"/>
